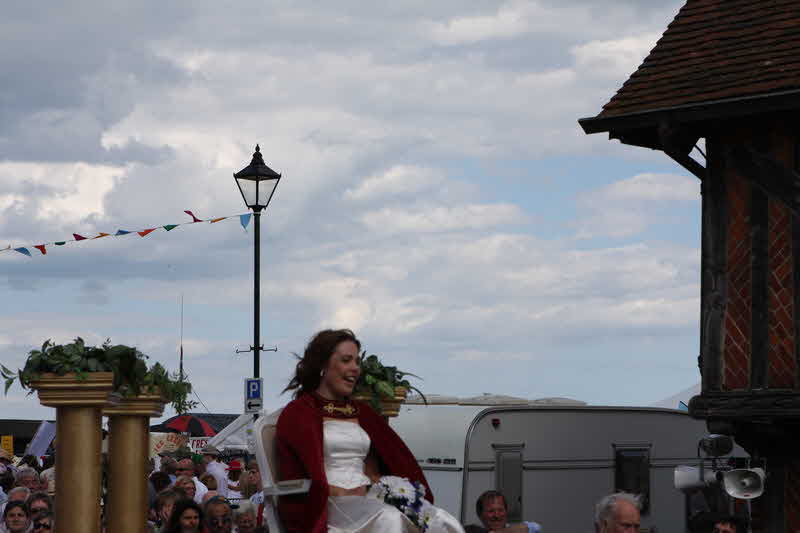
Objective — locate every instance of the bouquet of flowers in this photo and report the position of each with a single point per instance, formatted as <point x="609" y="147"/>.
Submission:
<point x="407" y="496"/>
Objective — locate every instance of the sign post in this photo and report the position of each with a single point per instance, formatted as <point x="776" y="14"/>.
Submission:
<point x="253" y="395"/>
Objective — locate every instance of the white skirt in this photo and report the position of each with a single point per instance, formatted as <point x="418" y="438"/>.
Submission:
<point x="366" y="514"/>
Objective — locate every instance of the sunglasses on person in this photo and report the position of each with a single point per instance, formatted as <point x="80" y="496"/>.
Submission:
<point x="42" y="525"/>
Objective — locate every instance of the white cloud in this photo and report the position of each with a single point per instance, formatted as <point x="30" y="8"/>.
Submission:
<point x="509" y="20"/>
<point x="76" y="190"/>
<point x="398" y="180"/>
<point x="440" y="218"/>
<point x="629" y="206"/>
<point x="615" y="58"/>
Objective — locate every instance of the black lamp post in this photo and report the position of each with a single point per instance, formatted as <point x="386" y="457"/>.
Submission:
<point x="257" y="183"/>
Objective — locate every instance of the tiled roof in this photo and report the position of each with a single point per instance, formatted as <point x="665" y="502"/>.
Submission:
<point x="716" y="50"/>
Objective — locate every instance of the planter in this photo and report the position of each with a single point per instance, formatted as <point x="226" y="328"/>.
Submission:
<point x="128" y="453"/>
<point x="67" y="390"/>
<point x="390" y="407"/>
<point x="78" y="442"/>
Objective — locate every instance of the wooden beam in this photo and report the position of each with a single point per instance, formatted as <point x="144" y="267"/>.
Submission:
<point x="767" y="174"/>
<point x="713" y="270"/>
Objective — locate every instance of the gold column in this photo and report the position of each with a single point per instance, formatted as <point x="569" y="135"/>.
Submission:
<point x="78" y="441"/>
<point x="128" y="453"/>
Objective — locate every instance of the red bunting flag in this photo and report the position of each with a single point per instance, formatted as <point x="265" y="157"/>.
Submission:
<point x="41" y="248"/>
<point x="79" y="237"/>
<point x="194" y="218"/>
<point x="145" y="232"/>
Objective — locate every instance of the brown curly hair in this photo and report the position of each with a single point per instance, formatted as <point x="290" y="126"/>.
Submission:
<point x="315" y="358"/>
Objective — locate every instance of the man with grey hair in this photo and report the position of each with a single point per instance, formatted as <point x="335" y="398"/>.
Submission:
<point x="618" y="513"/>
<point x="17" y="494"/>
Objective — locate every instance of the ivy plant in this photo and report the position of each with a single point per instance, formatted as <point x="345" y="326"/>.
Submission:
<point x="379" y="381"/>
<point x="129" y="366"/>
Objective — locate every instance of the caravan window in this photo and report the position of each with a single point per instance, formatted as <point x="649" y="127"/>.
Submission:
<point x="632" y="472"/>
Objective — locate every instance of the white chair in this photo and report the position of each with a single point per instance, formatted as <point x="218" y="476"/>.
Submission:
<point x="264" y="430"/>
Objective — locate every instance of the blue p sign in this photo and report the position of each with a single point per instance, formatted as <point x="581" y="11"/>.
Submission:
<point x="253" y="389"/>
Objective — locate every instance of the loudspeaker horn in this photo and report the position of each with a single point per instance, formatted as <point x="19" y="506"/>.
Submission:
<point x="688" y="478"/>
<point x="744" y="483"/>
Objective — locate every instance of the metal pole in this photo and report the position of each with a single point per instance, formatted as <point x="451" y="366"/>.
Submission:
<point x="257" y="294"/>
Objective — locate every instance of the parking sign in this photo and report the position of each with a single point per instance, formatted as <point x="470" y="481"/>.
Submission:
<point x="253" y="399"/>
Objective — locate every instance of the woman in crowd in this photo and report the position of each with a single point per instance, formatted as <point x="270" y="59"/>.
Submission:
<point x="343" y="446"/>
<point x="187" y="517"/>
<point x="16" y="517"/>
<point x="165" y="503"/>
<point x="186" y="484"/>
<point x="43" y="522"/>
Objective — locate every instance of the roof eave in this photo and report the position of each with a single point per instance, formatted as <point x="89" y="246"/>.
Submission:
<point x="693" y="113"/>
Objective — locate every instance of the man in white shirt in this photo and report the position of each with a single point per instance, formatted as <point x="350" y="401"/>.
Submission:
<point x="492" y="509"/>
<point x="216" y="469"/>
<point x="186" y="468"/>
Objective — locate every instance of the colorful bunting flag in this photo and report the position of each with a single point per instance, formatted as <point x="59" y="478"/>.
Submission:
<point x="194" y="218"/>
<point x="244" y="220"/>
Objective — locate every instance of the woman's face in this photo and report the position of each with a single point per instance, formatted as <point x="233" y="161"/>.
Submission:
<point x="16" y="520"/>
<point x="166" y="511"/>
<point x="190" y="521"/>
<point x="342" y="372"/>
<point x="188" y="487"/>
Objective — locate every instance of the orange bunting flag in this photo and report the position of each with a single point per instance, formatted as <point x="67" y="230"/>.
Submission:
<point x="145" y="232"/>
<point x="79" y="237"/>
<point x="41" y="248"/>
<point x="101" y="234"/>
<point x="217" y="219"/>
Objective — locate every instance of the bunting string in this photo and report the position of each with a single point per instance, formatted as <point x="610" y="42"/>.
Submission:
<point x="244" y="220"/>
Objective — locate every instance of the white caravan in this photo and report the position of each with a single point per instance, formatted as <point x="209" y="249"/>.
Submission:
<point x="553" y="458"/>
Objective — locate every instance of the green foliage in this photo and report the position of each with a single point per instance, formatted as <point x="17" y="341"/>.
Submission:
<point x="131" y="375"/>
<point x="378" y="381"/>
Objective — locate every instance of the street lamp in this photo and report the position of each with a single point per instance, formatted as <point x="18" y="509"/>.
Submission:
<point x="257" y="183"/>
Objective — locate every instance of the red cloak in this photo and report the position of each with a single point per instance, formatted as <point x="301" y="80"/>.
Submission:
<point x="299" y="449"/>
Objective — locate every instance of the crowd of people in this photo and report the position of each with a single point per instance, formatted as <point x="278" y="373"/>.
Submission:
<point x="364" y="479"/>
<point x="188" y="493"/>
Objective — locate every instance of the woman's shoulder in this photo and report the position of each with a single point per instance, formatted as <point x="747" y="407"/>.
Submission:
<point x="300" y="406"/>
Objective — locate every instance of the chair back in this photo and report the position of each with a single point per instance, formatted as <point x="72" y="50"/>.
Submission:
<point x="265" y="429"/>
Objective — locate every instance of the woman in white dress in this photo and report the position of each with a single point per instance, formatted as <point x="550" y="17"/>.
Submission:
<point x="345" y="448"/>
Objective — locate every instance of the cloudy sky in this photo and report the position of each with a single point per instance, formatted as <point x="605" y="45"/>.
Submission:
<point x="438" y="195"/>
